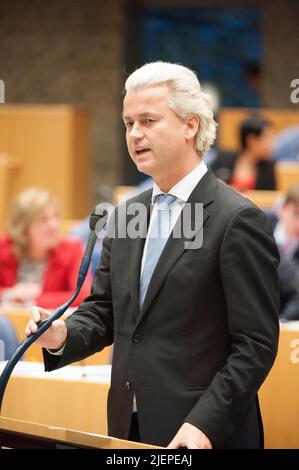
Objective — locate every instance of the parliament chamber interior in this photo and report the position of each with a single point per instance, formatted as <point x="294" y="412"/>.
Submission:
<point x="61" y="131"/>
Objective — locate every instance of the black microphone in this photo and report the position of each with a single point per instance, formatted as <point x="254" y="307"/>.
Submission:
<point x="97" y="221"/>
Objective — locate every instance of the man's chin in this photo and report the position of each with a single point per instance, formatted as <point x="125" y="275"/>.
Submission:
<point x="144" y="168"/>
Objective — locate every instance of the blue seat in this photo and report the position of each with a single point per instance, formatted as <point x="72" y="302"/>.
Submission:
<point x="8" y="338"/>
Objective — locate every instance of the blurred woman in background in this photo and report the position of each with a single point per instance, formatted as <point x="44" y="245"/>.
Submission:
<point x="251" y="167"/>
<point x="36" y="265"/>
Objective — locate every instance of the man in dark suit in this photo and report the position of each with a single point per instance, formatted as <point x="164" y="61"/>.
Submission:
<point x="194" y="325"/>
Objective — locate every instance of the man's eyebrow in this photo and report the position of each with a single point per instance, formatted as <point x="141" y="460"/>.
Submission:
<point x="142" y="115"/>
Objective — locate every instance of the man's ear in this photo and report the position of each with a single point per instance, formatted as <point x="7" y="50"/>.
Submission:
<point x="192" y="125"/>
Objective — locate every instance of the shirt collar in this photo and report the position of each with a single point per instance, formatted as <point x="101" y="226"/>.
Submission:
<point x="183" y="188"/>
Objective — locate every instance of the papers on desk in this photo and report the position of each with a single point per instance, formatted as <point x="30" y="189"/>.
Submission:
<point x="88" y="373"/>
<point x="290" y="325"/>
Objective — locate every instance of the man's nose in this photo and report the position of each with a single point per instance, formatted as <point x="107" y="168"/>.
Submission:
<point x="136" y="132"/>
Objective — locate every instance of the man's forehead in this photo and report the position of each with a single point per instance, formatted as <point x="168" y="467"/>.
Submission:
<point x="145" y="100"/>
<point x="157" y="92"/>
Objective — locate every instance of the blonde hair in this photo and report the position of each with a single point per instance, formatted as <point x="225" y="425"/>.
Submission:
<point x="186" y="96"/>
<point x="26" y="207"/>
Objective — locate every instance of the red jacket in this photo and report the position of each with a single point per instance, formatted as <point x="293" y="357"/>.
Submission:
<point x="60" y="277"/>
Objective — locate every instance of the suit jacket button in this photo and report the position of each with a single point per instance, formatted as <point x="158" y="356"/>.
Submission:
<point x="128" y="385"/>
<point x="137" y="338"/>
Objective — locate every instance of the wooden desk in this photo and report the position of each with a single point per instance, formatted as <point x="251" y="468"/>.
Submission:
<point x="279" y="395"/>
<point x="20" y="317"/>
<point x="264" y="199"/>
<point x="287" y="175"/>
<point x="19" y="434"/>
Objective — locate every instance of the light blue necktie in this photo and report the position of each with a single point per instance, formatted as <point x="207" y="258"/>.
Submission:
<point x="157" y="238"/>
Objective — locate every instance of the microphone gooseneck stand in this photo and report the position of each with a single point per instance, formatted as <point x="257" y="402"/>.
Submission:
<point x="45" y="324"/>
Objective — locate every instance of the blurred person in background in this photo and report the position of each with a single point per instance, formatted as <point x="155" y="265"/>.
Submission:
<point x="8" y="339"/>
<point x="289" y="290"/>
<point x="251" y="168"/>
<point x="37" y="265"/>
<point x="285" y="225"/>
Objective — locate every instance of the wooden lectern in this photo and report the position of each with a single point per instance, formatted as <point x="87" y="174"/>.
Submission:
<point x="17" y="434"/>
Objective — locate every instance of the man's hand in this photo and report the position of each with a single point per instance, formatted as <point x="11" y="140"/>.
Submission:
<point x="190" y="437"/>
<point x="54" y="337"/>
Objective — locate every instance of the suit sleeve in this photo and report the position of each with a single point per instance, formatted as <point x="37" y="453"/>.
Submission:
<point x="90" y="327"/>
<point x="248" y="268"/>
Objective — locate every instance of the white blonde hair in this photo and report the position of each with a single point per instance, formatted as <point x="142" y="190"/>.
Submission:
<point x="186" y="96"/>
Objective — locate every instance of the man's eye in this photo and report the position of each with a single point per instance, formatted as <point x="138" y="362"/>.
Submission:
<point x="149" y="121"/>
<point x="128" y="125"/>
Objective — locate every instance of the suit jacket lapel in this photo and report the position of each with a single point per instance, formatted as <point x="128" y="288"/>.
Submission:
<point x="175" y="247"/>
<point x="136" y="253"/>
